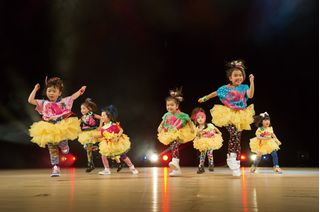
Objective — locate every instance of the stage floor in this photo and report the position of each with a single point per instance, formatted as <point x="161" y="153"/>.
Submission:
<point x="152" y="190"/>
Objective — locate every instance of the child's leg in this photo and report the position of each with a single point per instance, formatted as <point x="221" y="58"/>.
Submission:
<point x="54" y="154"/>
<point x="89" y="149"/>
<point x="174" y="164"/>
<point x="202" y="158"/>
<point x="210" y="160"/>
<point x="54" y="158"/>
<point x="201" y="163"/>
<point x="275" y="159"/>
<point x="63" y="145"/>
<point x="210" y="157"/>
<point x="105" y="162"/>
<point x="127" y="160"/>
<point x="234" y="150"/>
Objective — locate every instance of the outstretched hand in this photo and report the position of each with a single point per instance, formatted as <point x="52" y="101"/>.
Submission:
<point x="251" y="78"/>
<point x="37" y="87"/>
<point x="82" y="89"/>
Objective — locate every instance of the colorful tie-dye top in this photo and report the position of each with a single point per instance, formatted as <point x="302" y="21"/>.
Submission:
<point x="88" y="122"/>
<point x="234" y="97"/>
<point x="264" y="132"/>
<point x="51" y="111"/>
<point x="175" y="121"/>
<point x="208" y="132"/>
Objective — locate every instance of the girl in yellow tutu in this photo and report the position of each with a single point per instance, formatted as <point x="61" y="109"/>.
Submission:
<point x="265" y="143"/>
<point x="89" y="125"/>
<point x="115" y="144"/>
<point x="176" y="128"/>
<point x="57" y="126"/>
<point x="208" y="139"/>
<point x="234" y="114"/>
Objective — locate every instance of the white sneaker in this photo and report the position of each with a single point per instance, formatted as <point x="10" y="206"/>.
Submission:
<point x="105" y="172"/>
<point x="234" y="164"/>
<point x="55" y="171"/>
<point x="174" y="164"/>
<point x="175" y="173"/>
<point x="133" y="170"/>
<point x="236" y="173"/>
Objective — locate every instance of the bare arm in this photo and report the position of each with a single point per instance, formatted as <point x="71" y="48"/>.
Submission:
<point x="120" y="132"/>
<point x="191" y="125"/>
<point x="79" y="92"/>
<point x="250" y="92"/>
<point x="32" y="95"/>
<point x="96" y="116"/>
<point x="160" y="127"/>
<point x="207" y="97"/>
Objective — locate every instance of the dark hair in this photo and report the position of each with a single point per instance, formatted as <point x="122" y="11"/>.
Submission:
<point x="54" y="82"/>
<point x="194" y="118"/>
<point x="236" y="65"/>
<point x="175" y="95"/>
<point x="258" y="119"/>
<point x="111" y="112"/>
<point x="88" y="103"/>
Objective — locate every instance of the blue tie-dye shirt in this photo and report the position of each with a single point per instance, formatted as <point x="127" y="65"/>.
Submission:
<point x="234" y="98"/>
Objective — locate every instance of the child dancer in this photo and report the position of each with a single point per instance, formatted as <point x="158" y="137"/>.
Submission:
<point x="208" y="139"/>
<point x="176" y="128"/>
<point x="234" y="113"/>
<point x="57" y="126"/>
<point x="89" y="134"/>
<point x="266" y="142"/>
<point x="114" y="143"/>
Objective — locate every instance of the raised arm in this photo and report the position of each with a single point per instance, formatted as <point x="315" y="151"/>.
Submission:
<point x="79" y="92"/>
<point x="191" y="125"/>
<point x="207" y="97"/>
<point x="250" y="92"/>
<point x="96" y="116"/>
<point x="33" y="93"/>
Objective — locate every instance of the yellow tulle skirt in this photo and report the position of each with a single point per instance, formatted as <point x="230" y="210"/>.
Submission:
<point x="89" y="136"/>
<point x="223" y="116"/>
<point x="43" y="132"/>
<point x="263" y="146"/>
<point x="205" y="144"/>
<point x="182" y="135"/>
<point x="115" y="148"/>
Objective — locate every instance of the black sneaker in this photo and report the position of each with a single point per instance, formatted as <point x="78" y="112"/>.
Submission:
<point x="119" y="167"/>
<point x="200" y="170"/>
<point x="211" y="168"/>
<point x="90" y="167"/>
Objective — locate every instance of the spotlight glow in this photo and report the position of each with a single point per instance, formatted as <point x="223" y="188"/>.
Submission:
<point x="243" y="157"/>
<point x="165" y="157"/>
<point x="253" y="157"/>
<point x="154" y="158"/>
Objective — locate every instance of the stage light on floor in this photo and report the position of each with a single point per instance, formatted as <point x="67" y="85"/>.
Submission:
<point x="154" y="158"/>
<point x="242" y="157"/>
<point x="253" y="157"/>
<point x="165" y="157"/>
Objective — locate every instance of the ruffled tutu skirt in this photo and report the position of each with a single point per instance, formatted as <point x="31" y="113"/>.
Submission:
<point x="205" y="144"/>
<point x="223" y="116"/>
<point x="115" y="148"/>
<point x="263" y="146"/>
<point x="89" y="136"/>
<point x="43" y="132"/>
<point x="182" y="135"/>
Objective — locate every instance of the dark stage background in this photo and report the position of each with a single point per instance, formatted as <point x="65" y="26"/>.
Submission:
<point x="130" y="53"/>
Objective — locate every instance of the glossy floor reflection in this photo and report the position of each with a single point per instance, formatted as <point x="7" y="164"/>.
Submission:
<point x="152" y="190"/>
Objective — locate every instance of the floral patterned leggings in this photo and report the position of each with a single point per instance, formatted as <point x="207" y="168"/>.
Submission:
<point x="234" y="141"/>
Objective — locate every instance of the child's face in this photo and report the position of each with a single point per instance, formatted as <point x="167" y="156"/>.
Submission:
<point x="201" y="119"/>
<point x="236" y="77"/>
<point x="53" y="93"/>
<point x="266" y="123"/>
<point x="171" y="106"/>
<point x="104" y="117"/>
<point x="84" y="110"/>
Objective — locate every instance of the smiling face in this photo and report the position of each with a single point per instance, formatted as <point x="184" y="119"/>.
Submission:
<point x="172" y="106"/>
<point x="53" y="93"/>
<point x="84" y="110"/>
<point x="104" y="117"/>
<point x="265" y="123"/>
<point x="236" y="77"/>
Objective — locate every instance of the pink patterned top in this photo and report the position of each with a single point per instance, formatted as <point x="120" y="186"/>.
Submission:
<point x="54" y="110"/>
